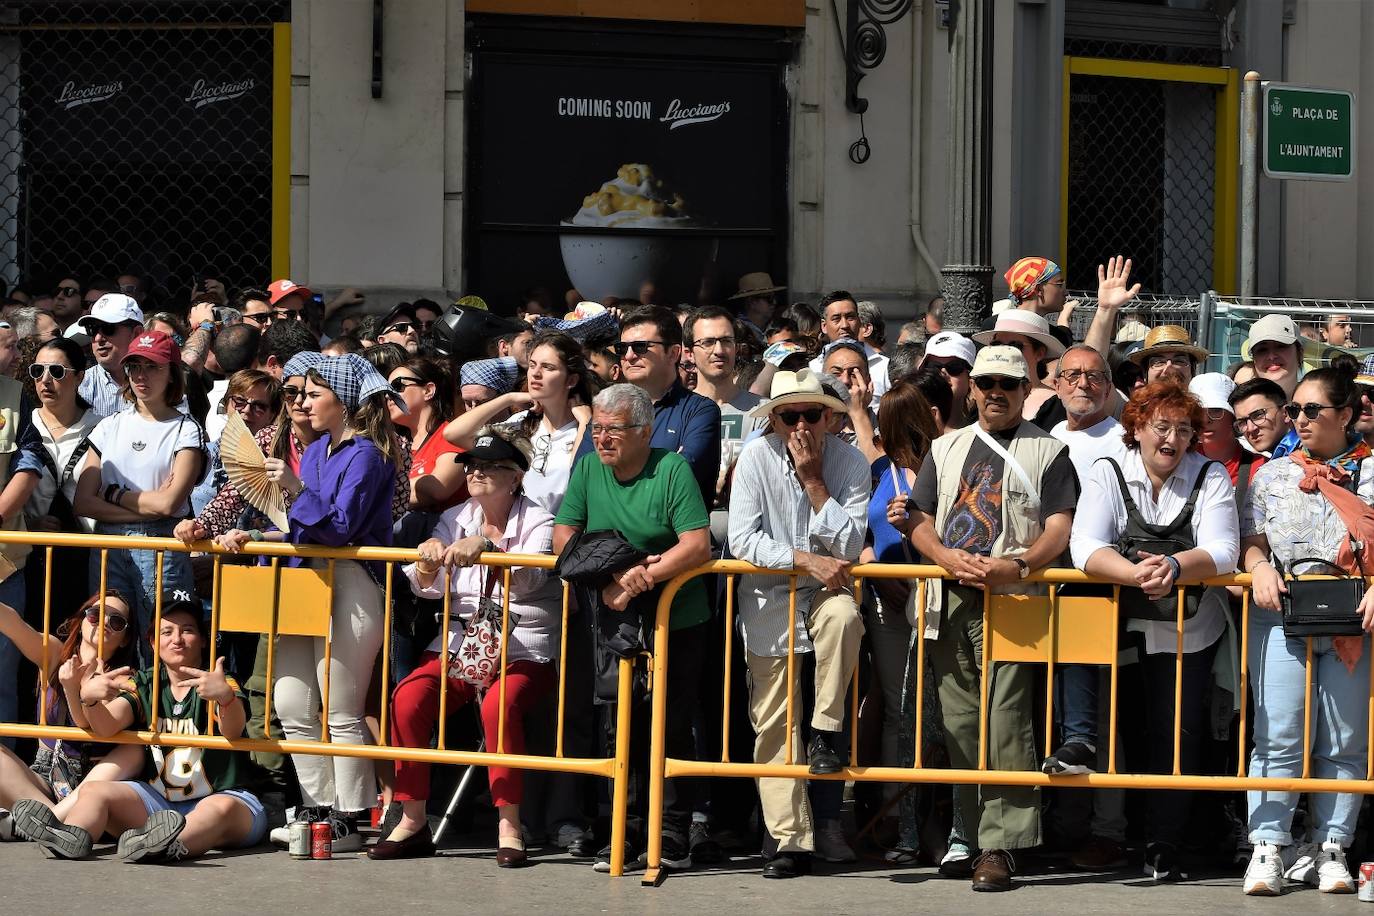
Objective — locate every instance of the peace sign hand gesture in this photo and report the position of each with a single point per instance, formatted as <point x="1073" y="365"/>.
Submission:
<point x="104" y="686"/>
<point x="212" y="685"/>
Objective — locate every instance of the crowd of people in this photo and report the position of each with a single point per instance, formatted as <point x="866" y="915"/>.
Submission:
<point x="637" y="441"/>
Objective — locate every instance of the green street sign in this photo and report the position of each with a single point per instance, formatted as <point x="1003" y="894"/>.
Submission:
<point x="1308" y="133"/>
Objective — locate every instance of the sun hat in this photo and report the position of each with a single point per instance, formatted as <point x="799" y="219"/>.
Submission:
<point x="757" y="283"/>
<point x="800" y="387"/>
<point x="1027" y="324"/>
<point x="1213" y="389"/>
<point x="1167" y="338"/>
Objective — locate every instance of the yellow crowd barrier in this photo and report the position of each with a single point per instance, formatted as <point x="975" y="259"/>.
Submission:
<point x="277" y="600"/>
<point x="1046" y="629"/>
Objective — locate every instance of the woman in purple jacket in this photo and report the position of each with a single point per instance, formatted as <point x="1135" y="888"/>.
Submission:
<point x="341" y="498"/>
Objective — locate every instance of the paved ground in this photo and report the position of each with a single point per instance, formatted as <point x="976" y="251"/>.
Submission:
<point x="466" y="880"/>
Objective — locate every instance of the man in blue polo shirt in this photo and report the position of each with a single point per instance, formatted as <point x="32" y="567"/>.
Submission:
<point x="650" y="348"/>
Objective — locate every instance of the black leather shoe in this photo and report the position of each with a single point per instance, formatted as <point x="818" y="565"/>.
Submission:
<point x="416" y="846"/>
<point x="787" y="865"/>
<point x="822" y="756"/>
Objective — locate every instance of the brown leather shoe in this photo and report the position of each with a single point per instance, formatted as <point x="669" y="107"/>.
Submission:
<point x="511" y="853"/>
<point x="1099" y="854"/>
<point x="992" y="870"/>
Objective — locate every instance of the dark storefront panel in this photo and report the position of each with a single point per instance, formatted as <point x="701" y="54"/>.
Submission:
<point x="551" y="126"/>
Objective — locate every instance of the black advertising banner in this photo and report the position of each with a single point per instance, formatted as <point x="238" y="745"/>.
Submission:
<point x="611" y="173"/>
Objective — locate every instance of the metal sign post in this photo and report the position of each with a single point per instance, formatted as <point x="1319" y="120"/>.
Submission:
<point x="1249" y="184"/>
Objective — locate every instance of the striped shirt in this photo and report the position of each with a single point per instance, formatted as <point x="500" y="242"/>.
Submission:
<point x="771" y="517"/>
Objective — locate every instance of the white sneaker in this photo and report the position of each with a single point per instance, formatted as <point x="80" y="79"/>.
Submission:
<point x="6" y="826"/>
<point x="1264" y="874"/>
<point x="1333" y="877"/>
<point x="831" y="846"/>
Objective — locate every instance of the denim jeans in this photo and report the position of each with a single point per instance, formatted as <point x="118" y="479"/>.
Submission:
<point x="1076" y="700"/>
<point x="1340" y="735"/>
<point x="134" y="573"/>
<point x="11" y="593"/>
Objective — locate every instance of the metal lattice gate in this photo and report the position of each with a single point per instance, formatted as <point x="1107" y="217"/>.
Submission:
<point x="1148" y="172"/>
<point x="137" y="137"/>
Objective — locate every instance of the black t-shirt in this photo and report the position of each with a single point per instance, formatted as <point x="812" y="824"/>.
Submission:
<point x="974" y="522"/>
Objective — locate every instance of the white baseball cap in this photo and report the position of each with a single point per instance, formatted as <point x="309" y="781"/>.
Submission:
<point x="1213" y="389"/>
<point x="1278" y="328"/>
<point x="950" y="345"/>
<point x="113" y="308"/>
<point x="1000" y="359"/>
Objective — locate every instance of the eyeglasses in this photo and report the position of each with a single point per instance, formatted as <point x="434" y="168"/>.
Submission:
<point x="56" y="371"/>
<point x="115" y="623"/>
<point x="710" y="343"/>
<point x="1180" y="360"/>
<point x="261" y="319"/>
<point x="1162" y="430"/>
<point x="640" y="347"/>
<point x="614" y="431"/>
<point x="1310" y="411"/>
<point x="811" y="415"/>
<point x="286" y="315"/>
<point x="1215" y="414"/>
<point x="399" y="385"/>
<point x="987" y="383"/>
<point x="952" y="366"/>
<point x="400" y="327"/>
<point x="141" y="367"/>
<point x="67" y="291"/>
<point x="487" y="468"/>
<point x="1259" y="417"/>
<point x="291" y="394"/>
<point x="1093" y="377"/>
<point x="241" y="403"/>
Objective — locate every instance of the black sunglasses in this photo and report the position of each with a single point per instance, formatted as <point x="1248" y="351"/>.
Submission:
<point x="987" y="383"/>
<point x="67" y="291"/>
<point x="399" y="385"/>
<point x="811" y="415"/>
<point x="115" y="623"/>
<point x="291" y="393"/>
<point x="640" y="347"/>
<point x="260" y="319"/>
<point x="57" y="371"/>
<point x="400" y="327"/>
<point x="953" y="366"/>
<point x="1311" y="411"/>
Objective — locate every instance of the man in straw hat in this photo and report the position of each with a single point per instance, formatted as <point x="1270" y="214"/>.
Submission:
<point x="993" y="503"/>
<point x="756" y="301"/>
<point x="1169" y="353"/>
<point x="799" y="501"/>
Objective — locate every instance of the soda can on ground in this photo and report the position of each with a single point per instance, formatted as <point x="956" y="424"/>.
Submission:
<point x="1366" y="892"/>
<point x="321" y="840"/>
<point x="298" y="842"/>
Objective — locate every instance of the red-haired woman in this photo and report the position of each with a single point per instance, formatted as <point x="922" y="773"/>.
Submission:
<point x="1165" y="514"/>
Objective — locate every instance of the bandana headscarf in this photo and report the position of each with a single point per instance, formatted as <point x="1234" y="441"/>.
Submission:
<point x="1026" y="276"/>
<point x="579" y="329"/>
<point x="354" y="380"/>
<point x="301" y="363"/>
<point x="1327" y="477"/>
<point x="498" y="374"/>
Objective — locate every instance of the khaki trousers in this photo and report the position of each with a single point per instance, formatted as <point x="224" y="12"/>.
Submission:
<point x="837" y="630"/>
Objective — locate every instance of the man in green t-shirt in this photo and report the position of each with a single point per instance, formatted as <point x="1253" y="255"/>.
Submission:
<point x="188" y="800"/>
<point x="650" y="496"/>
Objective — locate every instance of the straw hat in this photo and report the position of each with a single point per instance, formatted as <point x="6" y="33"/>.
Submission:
<point x="800" y="387"/>
<point x="1167" y="338"/>
<point x="758" y="283"/>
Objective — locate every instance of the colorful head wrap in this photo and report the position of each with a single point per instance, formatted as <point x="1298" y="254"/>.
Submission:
<point x="1026" y="276"/>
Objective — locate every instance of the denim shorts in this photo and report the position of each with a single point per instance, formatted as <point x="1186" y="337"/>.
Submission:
<point x="152" y="801"/>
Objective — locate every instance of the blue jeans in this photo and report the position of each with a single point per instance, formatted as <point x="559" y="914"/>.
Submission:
<point x="1077" y="703"/>
<point x="1340" y="736"/>
<point x="134" y="573"/>
<point x="11" y="593"/>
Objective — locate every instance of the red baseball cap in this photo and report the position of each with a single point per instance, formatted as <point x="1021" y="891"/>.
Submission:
<point x="155" y="347"/>
<point x="280" y="289"/>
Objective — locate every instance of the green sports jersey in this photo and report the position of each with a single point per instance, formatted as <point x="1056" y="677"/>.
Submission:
<point x="184" y="773"/>
<point x="651" y="510"/>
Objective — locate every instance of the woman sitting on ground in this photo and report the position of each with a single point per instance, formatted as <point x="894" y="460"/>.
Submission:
<point x="498" y="516"/>
<point x="189" y="801"/>
<point x="78" y="654"/>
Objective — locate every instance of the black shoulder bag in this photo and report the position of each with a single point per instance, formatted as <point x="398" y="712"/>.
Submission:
<point x="1324" y="607"/>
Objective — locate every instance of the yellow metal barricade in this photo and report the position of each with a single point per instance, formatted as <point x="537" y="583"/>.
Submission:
<point x="1050" y="629"/>
<point x="283" y="601"/>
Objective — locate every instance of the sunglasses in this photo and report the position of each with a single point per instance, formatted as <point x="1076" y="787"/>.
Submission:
<point x="286" y="315"/>
<point x="115" y="623"/>
<point x="261" y="319"/>
<point x="401" y="384"/>
<point x="1310" y="411"/>
<point x="811" y="415"/>
<point x="953" y="366"/>
<point x="487" y="468"/>
<point x="292" y="394"/>
<point x="141" y="367"/>
<point x="640" y="347"/>
<point x="67" y="291"/>
<point x="55" y="371"/>
<point x="400" y="327"/>
<point x="242" y="403"/>
<point x="103" y="329"/>
<point x="987" y="383"/>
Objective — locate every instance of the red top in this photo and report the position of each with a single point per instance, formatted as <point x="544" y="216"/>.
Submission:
<point x="428" y="456"/>
<point x="1233" y="467"/>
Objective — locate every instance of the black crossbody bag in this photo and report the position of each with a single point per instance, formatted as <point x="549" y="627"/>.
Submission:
<point x="1323" y="607"/>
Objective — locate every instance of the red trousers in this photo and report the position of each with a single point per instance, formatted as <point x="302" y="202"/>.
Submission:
<point x="415" y="707"/>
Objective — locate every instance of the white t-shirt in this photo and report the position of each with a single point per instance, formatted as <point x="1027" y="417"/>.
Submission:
<point x="60" y="449"/>
<point x="1102" y="440"/>
<point x="215" y="420"/>
<point x="551" y="465"/>
<point x="138" y="453"/>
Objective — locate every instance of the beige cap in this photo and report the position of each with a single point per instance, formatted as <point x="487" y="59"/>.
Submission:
<point x="1000" y="360"/>
<point x="1278" y="328"/>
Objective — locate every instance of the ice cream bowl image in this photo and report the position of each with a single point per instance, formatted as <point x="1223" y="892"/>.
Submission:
<point x="615" y="262"/>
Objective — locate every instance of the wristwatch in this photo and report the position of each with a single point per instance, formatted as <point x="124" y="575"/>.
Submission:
<point x="1021" y="565"/>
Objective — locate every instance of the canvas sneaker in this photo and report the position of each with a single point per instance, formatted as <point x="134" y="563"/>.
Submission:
<point x="1264" y="874"/>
